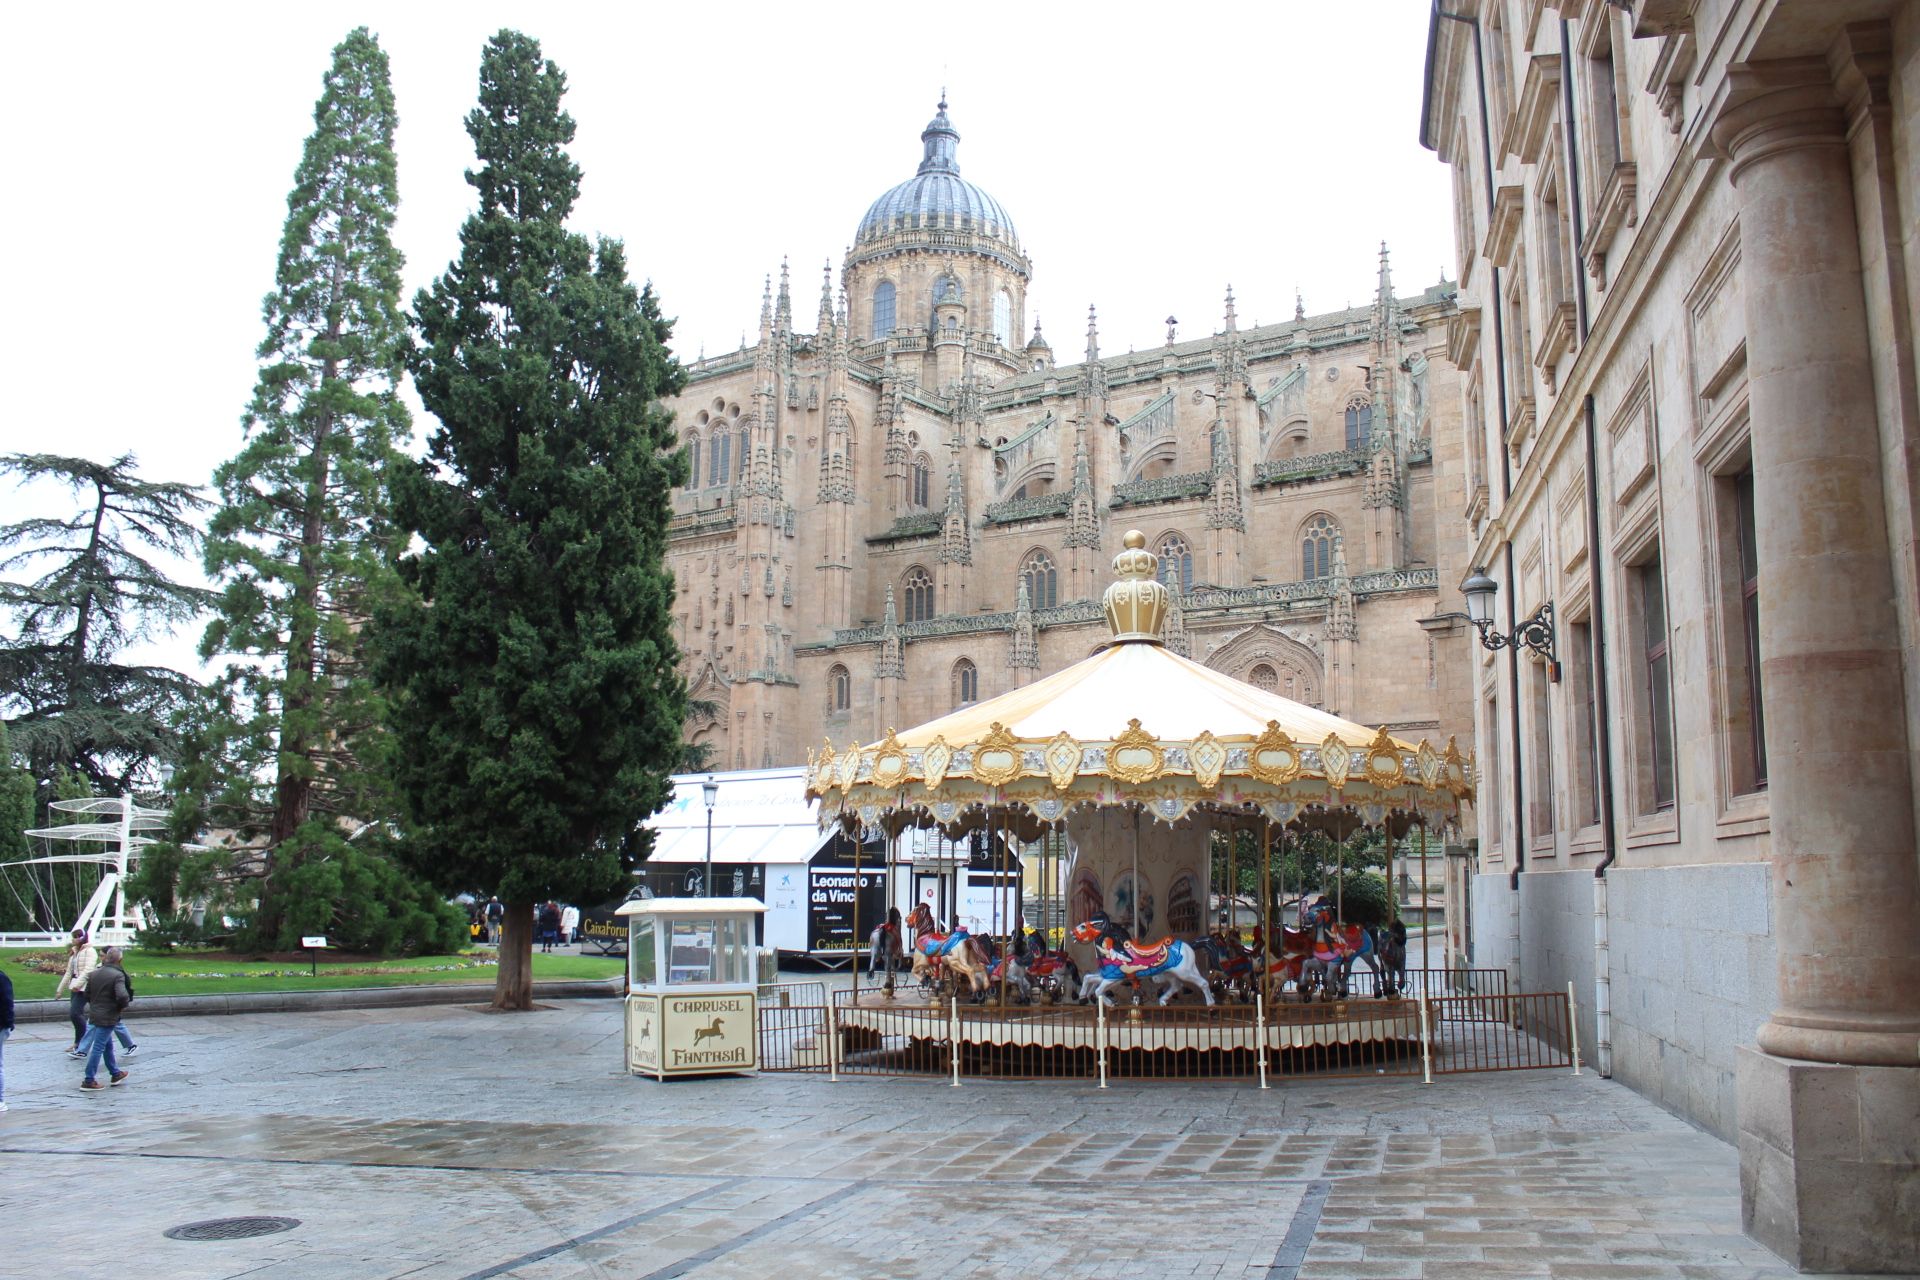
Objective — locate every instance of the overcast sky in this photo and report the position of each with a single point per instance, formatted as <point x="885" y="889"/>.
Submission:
<point x="1150" y="155"/>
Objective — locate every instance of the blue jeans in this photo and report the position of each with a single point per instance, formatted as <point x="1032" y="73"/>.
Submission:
<point x="99" y="1043"/>
<point x="77" y="1015"/>
<point x="4" y="1033"/>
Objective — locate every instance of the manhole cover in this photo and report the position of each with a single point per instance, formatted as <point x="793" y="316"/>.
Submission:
<point x="231" y="1228"/>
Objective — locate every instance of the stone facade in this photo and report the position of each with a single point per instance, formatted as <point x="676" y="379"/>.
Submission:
<point x="899" y="507"/>
<point x="1685" y="339"/>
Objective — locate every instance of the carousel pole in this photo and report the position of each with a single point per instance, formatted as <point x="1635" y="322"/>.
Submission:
<point x="1266" y="917"/>
<point x="858" y="845"/>
<point x="1425" y="963"/>
<point x="1136" y="874"/>
<point x="1002" y="900"/>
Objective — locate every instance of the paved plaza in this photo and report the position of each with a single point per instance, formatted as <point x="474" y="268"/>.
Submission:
<point x="449" y="1143"/>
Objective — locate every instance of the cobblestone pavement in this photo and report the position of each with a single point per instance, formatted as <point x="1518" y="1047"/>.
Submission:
<point x="449" y="1143"/>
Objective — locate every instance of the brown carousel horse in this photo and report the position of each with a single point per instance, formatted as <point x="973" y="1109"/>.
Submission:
<point x="934" y="951"/>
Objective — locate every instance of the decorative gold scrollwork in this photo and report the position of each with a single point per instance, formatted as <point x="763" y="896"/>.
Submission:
<point x="996" y="757"/>
<point x="849" y="768"/>
<point x="1135" y="756"/>
<point x="1335" y="762"/>
<point x="1273" y="758"/>
<point x="1208" y="758"/>
<point x="889" y="763"/>
<point x="1454" y="771"/>
<point x="1427" y="761"/>
<point x="1384" y="767"/>
<point x="1063" y="760"/>
<point x="934" y="761"/>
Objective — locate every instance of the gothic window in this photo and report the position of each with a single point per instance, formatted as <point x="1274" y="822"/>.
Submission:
<point x="1264" y="677"/>
<point x="1359" y="424"/>
<point x="922" y="479"/>
<point x="746" y="452"/>
<point x="693" y="462"/>
<point x="883" y="309"/>
<point x="1176" y="563"/>
<point x="917" y="596"/>
<point x="718" y="471"/>
<point x="966" y="683"/>
<point x="839" y="689"/>
<point x="1042" y="579"/>
<point x="1003" y="318"/>
<point x="1316" y="547"/>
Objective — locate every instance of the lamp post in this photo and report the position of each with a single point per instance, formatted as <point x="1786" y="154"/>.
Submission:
<point x="711" y="790"/>
<point x="1534" y="633"/>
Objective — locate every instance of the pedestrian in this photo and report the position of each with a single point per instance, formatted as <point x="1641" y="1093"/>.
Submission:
<point x="6" y="1029"/>
<point x="107" y="998"/>
<point x="81" y="959"/>
<point x="549" y="924"/>
<point x="569" y="924"/>
<point x="495" y="914"/>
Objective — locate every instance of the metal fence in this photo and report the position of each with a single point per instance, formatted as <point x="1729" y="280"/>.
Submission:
<point x="1403" y="1038"/>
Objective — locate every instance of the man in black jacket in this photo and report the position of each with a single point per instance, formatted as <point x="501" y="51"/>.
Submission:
<point x="6" y="1029"/>
<point x="107" y="997"/>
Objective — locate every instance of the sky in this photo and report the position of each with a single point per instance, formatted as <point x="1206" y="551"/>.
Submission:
<point x="1150" y="156"/>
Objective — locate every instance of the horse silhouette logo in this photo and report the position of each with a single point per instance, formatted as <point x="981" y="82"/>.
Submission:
<point x="709" y="1032"/>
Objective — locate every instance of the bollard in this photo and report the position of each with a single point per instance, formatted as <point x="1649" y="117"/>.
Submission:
<point x="1100" y="1034"/>
<point x="1573" y="1027"/>
<point x="1260" y="1030"/>
<point x="1426" y="1043"/>
<point x="833" y="1040"/>
<point x="954" y="1032"/>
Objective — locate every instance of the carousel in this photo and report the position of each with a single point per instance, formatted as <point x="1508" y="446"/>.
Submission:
<point x="1135" y="760"/>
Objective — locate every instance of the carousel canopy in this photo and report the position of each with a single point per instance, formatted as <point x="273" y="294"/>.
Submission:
<point x="1137" y="724"/>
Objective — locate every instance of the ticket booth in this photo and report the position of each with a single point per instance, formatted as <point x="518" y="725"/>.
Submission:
<point x="690" y="986"/>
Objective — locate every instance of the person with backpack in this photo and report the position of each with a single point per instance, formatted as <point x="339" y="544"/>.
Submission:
<point x="107" y="997"/>
<point x="495" y="914"/>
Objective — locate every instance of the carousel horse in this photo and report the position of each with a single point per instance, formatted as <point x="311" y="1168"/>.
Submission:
<point x="1171" y="961"/>
<point x="933" y="950"/>
<point x="1232" y="961"/>
<point x="884" y="946"/>
<point x="1014" y="969"/>
<point x="1391" y="943"/>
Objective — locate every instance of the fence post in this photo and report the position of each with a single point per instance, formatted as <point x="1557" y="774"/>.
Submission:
<point x="954" y="1034"/>
<point x="1260" y="1030"/>
<point x="833" y="1040"/>
<point x="1100" y="1034"/>
<point x="1573" y="1027"/>
<point x="1426" y="1043"/>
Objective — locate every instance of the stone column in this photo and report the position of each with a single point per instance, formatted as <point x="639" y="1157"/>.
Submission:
<point x="1830" y="1102"/>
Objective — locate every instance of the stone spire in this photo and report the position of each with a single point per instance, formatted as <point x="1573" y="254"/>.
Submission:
<point x="1083" y="516"/>
<point x="956" y="539"/>
<point x="892" y="662"/>
<point x="1233" y="324"/>
<point x="1340" y="620"/>
<point x="1177" y="638"/>
<point x="1093" y="373"/>
<point x="1299" y="307"/>
<point x="826" y="303"/>
<point x="1025" y="652"/>
<point x="783" y="309"/>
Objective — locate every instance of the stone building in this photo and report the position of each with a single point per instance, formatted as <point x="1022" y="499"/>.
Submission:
<point x="1685" y="337"/>
<point x="904" y="502"/>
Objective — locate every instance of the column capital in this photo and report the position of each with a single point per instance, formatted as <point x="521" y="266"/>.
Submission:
<point x="1768" y="108"/>
<point x="1861" y="63"/>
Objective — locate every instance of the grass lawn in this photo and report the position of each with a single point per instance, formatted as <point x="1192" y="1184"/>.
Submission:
<point x="188" y="973"/>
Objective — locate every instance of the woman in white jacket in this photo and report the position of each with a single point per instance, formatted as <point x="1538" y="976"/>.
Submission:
<point x="82" y="960"/>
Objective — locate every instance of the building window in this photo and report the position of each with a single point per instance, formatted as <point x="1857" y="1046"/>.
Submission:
<point x="1654" y="709"/>
<point x="1264" y="677"/>
<point x="746" y="452"/>
<point x="1176" y="563"/>
<point x="717" y="465"/>
<point x="883" y="310"/>
<point x="1359" y="424"/>
<point x="1042" y="579"/>
<point x="1003" y="318"/>
<point x="1316" y="547"/>
<point x="1739" y="601"/>
<point x="922" y="479"/>
<point x="839" y="690"/>
<point x="1539" y="761"/>
<point x="917" y="590"/>
<point x="966" y="683"/>
<point x="1487" y="776"/>
<point x="1750" y="617"/>
<point x="1584" y="728"/>
<point x="693" y="462"/>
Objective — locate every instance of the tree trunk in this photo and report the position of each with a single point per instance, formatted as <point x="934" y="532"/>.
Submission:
<point x="513" y="982"/>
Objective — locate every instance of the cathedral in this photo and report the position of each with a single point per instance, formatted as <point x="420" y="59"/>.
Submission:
<point x="914" y="505"/>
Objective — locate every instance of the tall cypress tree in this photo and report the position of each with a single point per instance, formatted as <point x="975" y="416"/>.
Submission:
<point x="304" y="541"/>
<point x="535" y="693"/>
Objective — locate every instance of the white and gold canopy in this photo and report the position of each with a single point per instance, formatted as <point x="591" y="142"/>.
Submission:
<point x="1136" y="724"/>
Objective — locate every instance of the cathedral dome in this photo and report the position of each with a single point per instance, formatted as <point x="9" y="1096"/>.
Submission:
<point x="937" y="198"/>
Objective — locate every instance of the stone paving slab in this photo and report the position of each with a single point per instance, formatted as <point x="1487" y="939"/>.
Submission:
<point x="455" y="1144"/>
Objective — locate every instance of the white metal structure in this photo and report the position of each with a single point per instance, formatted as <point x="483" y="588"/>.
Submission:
<point x="116" y="826"/>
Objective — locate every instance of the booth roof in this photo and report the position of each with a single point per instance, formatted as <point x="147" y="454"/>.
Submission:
<point x="689" y="906"/>
<point x="759" y="816"/>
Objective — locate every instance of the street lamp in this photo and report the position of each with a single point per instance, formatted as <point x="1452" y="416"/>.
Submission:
<point x="711" y="790"/>
<point x="1535" y="633"/>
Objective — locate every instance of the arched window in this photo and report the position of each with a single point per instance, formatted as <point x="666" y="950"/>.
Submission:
<point x="1316" y="547"/>
<point x="883" y="309"/>
<point x="719" y="470"/>
<point x="1264" y="677"/>
<point x="922" y="479"/>
<point x="1359" y="424"/>
<point x="966" y="683"/>
<point x="1042" y="579"/>
<point x="839" y="689"/>
<point x="1176" y="563"/>
<point x="693" y="462"/>
<point x="1003" y="318"/>
<point x="917" y="593"/>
